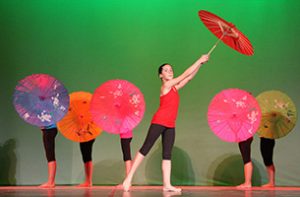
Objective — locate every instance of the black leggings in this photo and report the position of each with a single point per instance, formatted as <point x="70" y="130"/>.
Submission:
<point x="49" y="143"/>
<point x="266" y="149"/>
<point x="168" y="137"/>
<point x="245" y="149"/>
<point x="125" y="144"/>
<point x="86" y="150"/>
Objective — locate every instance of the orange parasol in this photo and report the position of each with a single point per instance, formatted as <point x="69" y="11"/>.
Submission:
<point x="77" y="125"/>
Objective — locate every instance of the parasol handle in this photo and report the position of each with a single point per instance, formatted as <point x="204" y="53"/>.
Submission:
<point x="213" y="48"/>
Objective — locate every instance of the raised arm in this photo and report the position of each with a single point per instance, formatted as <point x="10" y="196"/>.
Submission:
<point x="187" y="79"/>
<point x="187" y="75"/>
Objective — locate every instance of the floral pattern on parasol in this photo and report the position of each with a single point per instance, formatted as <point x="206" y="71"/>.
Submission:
<point x="234" y="115"/>
<point x="117" y="106"/>
<point x="279" y="114"/>
<point x="41" y="100"/>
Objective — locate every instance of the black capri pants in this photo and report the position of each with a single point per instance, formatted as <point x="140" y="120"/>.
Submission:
<point x="168" y="138"/>
<point x="49" y="143"/>
<point x="86" y="150"/>
<point x="245" y="149"/>
<point x="266" y="149"/>
<point x="125" y="145"/>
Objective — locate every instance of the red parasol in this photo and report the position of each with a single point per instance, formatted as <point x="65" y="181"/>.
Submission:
<point x="227" y="32"/>
<point x="234" y="115"/>
<point x="117" y="106"/>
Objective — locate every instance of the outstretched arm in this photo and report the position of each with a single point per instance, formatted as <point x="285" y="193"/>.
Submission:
<point x="187" y="79"/>
<point x="187" y="75"/>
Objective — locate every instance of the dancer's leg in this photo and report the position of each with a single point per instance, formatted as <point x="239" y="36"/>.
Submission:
<point x="248" y="168"/>
<point x="51" y="175"/>
<point x="126" y="150"/>
<point x="271" y="175"/>
<point x="49" y="146"/>
<point x="128" y="165"/>
<point x="267" y="148"/>
<point x="135" y="164"/>
<point x="86" y="152"/>
<point x="166" y="171"/>
<point x="245" y="149"/>
<point x="153" y="133"/>
<point x="88" y="170"/>
<point x="168" y="138"/>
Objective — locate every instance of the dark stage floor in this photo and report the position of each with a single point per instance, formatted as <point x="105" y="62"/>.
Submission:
<point x="143" y="191"/>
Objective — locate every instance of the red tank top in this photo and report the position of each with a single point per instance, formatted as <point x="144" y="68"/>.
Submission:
<point x="168" y="108"/>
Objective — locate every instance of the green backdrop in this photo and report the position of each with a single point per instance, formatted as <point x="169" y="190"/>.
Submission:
<point x="85" y="43"/>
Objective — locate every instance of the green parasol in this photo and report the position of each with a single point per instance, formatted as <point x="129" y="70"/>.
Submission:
<point x="278" y="114"/>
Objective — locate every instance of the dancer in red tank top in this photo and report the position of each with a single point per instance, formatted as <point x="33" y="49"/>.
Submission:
<point x="163" y="121"/>
<point x="167" y="111"/>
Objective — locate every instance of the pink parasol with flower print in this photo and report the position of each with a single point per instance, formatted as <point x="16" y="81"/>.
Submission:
<point x="234" y="115"/>
<point x="117" y="106"/>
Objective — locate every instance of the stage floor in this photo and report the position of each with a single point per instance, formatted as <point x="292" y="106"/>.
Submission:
<point x="151" y="191"/>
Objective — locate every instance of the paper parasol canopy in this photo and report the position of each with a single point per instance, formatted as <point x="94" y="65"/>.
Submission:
<point x="279" y="114"/>
<point x="234" y="115"/>
<point x="41" y="100"/>
<point x="227" y="32"/>
<point x="117" y="106"/>
<point x="78" y="125"/>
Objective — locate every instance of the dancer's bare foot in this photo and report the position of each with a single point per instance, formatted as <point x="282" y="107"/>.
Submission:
<point x="171" y="189"/>
<point x="244" y="186"/>
<point x="120" y="186"/>
<point x="47" y="185"/>
<point x="126" y="185"/>
<point x="169" y="194"/>
<point x="126" y="194"/>
<point x="85" y="184"/>
<point x="269" y="185"/>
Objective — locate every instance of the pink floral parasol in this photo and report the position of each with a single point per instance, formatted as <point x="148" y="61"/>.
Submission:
<point x="117" y="106"/>
<point x="234" y="115"/>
